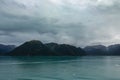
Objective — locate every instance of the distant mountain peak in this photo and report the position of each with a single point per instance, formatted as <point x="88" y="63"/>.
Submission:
<point x="34" y="41"/>
<point x="4" y="49"/>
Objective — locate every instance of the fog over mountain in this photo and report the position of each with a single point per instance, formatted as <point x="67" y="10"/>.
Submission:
<point x="74" y="22"/>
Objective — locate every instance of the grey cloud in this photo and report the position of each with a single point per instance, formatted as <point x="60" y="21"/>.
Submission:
<point x="63" y="23"/>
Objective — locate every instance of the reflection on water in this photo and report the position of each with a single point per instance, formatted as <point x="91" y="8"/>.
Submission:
<point x="60" y="68"/>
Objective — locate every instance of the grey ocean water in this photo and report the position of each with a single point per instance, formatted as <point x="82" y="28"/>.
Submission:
<point x="60" y="68"/>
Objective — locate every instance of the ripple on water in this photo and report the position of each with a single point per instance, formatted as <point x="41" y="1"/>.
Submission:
<point x="42" y="78"/>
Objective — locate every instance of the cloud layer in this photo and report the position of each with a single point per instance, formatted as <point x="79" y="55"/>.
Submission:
<point x="76" y="22"/>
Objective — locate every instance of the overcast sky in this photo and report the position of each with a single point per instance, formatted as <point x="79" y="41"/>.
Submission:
<point x="75" y="22"/>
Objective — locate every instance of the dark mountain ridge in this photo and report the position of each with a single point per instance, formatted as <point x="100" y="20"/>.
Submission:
<point x="31" y="48"/>
<point x="37" y="48"/>
<point x="65" y="49"/>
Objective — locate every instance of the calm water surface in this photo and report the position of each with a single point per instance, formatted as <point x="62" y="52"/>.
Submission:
<point x="60" y="68"/>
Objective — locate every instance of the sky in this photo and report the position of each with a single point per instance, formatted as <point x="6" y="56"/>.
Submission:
<point x="74" y="22"/>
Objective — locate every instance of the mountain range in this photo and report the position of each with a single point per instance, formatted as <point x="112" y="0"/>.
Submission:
<point x="37" y="48"/>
